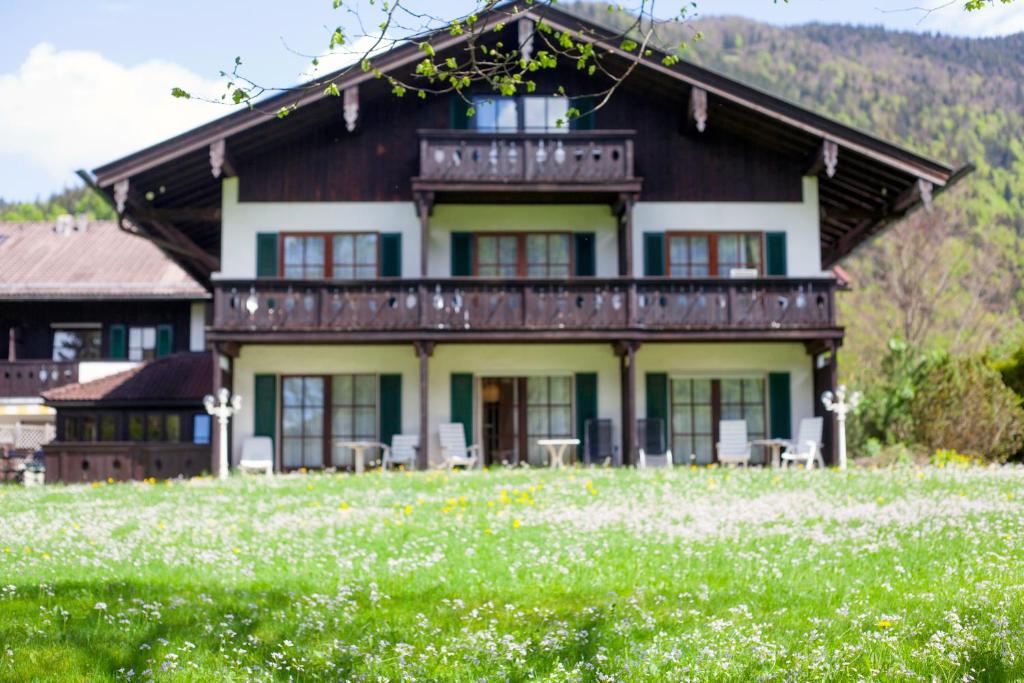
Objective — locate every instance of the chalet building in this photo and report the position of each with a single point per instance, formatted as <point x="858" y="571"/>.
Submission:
<point x="382" y="265"/>
<point x="81" y="300"/>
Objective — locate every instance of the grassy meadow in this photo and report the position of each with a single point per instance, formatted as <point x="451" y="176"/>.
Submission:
<point x="603" y="575"/>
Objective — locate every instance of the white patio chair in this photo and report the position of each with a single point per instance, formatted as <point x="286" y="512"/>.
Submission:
<point x="402" y="451"/>
<point x="807" y="447"/>
<point x="652" y="452"/>
<point x="733" y="445"/>
<point x="257" y="455"/>
<point x="454" y="450"/>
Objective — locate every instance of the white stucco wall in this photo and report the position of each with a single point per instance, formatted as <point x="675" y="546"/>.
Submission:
<point x="596" y="218"/>
<point x="197" y="326"/>
<point x="736" y="360"/>
<point x="799" y="220"/>
<point x="520" y="360"/>
<point x="242" y="221"/>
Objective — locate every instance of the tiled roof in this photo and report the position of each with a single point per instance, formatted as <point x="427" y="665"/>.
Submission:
<point x="175" y="378"/>
<point x="38" y="261"/>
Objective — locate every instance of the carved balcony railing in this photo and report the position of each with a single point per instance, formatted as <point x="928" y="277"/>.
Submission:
<point x="26" y="378"/>
<point x="465" y="157"/>
<point x="465" y="306"/>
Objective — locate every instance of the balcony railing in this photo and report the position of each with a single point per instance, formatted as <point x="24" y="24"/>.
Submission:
<point x="30" y="377"/>
<point x="453" y="307"/>
<point x="571" y="157"/>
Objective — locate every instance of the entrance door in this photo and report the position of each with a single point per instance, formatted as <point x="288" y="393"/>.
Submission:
<point x="518" y="411"/>
<point x="501" y="420"/>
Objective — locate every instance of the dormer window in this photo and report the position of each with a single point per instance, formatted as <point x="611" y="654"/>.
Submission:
<point x="527" y="113"/>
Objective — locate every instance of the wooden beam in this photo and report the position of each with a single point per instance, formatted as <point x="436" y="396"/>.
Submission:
<point x="145" y="215"/>
<point x="210" y="214"/>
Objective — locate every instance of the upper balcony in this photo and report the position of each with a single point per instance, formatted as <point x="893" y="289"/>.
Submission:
<point x="464" y="309"/>
<point x="468" y="163"/>
<point x="28" y="378"/>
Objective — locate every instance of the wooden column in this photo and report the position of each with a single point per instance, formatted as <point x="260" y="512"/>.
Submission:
<point x="424" y="350"/>
<point x="218" y="382"/>
<point x="424" y="207"/>
<point x="627" y="367"/>
<point x="826" y="378"/>
<point x="624" y="211"/>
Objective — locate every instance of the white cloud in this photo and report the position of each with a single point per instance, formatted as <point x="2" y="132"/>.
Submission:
<point x="69" y="109"/>
<point x="995" y="20"/>
<point x="339" y="58"/>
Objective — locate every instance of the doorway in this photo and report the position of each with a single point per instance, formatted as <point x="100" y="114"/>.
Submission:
<point x="517" y="411"/>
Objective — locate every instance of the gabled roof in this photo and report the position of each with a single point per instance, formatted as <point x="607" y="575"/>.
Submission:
<point x="175" y="379"/>
<point x="876" y="183"/>
<point x="86" y="260"/>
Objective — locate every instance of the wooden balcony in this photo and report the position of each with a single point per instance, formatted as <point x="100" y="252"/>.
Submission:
<point x="30" y="377"/>
<point x="463" y="161"/>
<point x="467" y="309"/>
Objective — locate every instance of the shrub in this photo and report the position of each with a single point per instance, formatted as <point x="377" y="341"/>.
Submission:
<point x="938" y="401"/>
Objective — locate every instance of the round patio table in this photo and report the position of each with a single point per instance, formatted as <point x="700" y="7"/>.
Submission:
<point x="775" y="447"/>
<point x="556" y="449"/>
<point x="358" y="449"/>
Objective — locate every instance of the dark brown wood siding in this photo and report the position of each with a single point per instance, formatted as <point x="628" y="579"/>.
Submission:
<point x="320" y="161"/>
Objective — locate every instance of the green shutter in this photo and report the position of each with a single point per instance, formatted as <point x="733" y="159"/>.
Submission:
<point x="462" y="402"/>
<point x="775" y="253"/>
<point x="654" y="254"/>
<point x="117" y="342"/>
<point x="264" y="405"/>
<point x="458" y="110"/>
<point x="164" y="340"/>
<point x="390" y="407"/>
<point x="657" y="398"/>
<point x="462" y="254"/>
<point x="266" y="254"/>
<point x="391" y="254"/>
<point x="586" y="401"/>
<point x="780" y="416"/>
<point x="585" y="106"/>
<point x="585" y="254"/>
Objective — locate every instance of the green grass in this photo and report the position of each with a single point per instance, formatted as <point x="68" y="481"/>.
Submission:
<point x="585" y="575"/>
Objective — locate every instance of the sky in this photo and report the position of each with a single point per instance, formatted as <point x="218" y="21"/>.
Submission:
<point x="83" y="82"/>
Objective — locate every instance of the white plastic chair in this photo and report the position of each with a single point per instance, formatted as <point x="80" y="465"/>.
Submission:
<point x="454" y="450"/>
<point x="807" y="447"/>
<point x="652" y="452"/>
<point x="733" y="444"/>
<point x="257" y="455"/>
<point x="402" y="451"/>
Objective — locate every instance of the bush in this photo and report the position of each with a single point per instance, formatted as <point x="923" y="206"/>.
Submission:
<point x="939" y="402"/>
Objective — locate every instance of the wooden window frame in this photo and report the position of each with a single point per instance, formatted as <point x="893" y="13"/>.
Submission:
<point x="712" y="248"/>
<point x="525" y="434"/>
<point x="716" y="409"/>
<point x="522" y="266"/>
<point x="520" y="105"/>
<point x="128" y="342"/>
<point x="328" y="238"/>
<point x="327" y="436"/>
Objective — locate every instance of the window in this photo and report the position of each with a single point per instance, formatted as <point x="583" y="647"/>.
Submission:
<point x="699" y="403"/>
<point x="354" y="257"/>
<point x="141" y="343"/>
<point x="713" y="254"/>
<point x="172" y="432"/>
<point x="304" y="256"/>
<point x="108" y="428"/>
<point x="534" y="254"/>
<point x="136" y="427"/>
<point x="302" y="418"/>
<point x="339" y="256"/>
<point x="200" y="429"/>
<point x="532" y="113"/>
<point x="353" y="413"/>
<point x="548" y="412"/>
<point x="154" y="427"/>
<point x="71" y="431"/>
<point x="77" y="342"/>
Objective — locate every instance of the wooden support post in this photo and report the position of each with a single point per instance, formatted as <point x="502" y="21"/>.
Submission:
<point x="218" y="382"/>
<point x="624" y="211"/>
<point x="424" y="207"/>
<point x="424" y="350"/>
<point x="627" y="366"/>
<point x="825" y="373"/>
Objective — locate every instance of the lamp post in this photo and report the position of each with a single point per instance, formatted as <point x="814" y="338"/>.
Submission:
<point x="840" y="404"/>
<point x="223" y="407"/>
